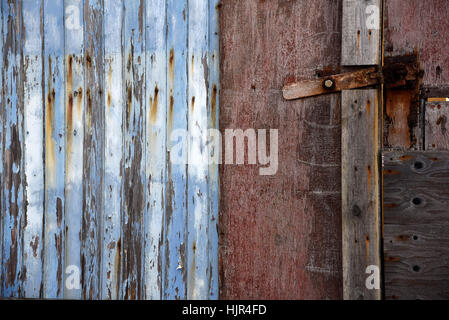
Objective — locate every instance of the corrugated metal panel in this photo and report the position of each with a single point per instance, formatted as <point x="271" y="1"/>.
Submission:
<point x="92" y="92"/>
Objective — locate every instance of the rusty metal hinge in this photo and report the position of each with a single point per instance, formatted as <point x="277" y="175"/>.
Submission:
<point x="397" y="72"/>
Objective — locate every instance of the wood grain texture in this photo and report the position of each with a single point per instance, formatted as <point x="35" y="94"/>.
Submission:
<point x="175" y="286"/>
<point x="34" y="167"/>
<point x="361" y="32"/>
<point x="92" y="91"/>
<point x="93" y="156"/>
<point x="54" y="94"/>
<point x="13" y="144"/>
<point x="416" y="26"/>
<point x="416" y="245"/>
<point x="280" y="235"/>
<point x="113" y="172"/>
<point x="360" y="191"/>
<point x="134" y="150"/>
<point x="436" y="134"/>
<point x="75" y="108"/>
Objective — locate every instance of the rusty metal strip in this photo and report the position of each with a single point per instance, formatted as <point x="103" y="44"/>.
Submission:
<point x="307" y="88"/>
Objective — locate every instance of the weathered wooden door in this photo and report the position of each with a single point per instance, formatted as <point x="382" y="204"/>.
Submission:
<point x="91" y="205"/>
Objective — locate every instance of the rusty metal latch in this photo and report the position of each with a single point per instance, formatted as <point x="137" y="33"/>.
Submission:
<point x="397" y="72"/>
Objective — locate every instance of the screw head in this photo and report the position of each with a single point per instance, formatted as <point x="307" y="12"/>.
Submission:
<point x="329" y="84"/>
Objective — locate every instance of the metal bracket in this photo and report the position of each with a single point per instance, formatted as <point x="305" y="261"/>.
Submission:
<point x="397" y="72"/>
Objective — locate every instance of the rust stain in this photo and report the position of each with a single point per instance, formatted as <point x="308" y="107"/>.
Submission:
<point x="392" y="259"/>
<point x="358" y="42"/>
<point x="69" y="92"/>
<point x="402" y="238"/>
<point x="405" y="158"/>
<point x="171" y="62"/>
<point x="391" y="172"/>
<point x="154" y="101"/>
<point x="89" y="109"/>
<point x="170" y="112"/>
<point x="50" y="145"/>
<point x="398" y="111"/>
<point x="368" y="108"/>
<point x="79" y="103"/>
<point x="192" y="104"/>
<point x="109" y="85"/>
<point x="214" y="105"/>
<point x="391" y="205"/>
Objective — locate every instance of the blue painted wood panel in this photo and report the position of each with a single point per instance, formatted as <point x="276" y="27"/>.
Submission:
<point x="107" y="188"/>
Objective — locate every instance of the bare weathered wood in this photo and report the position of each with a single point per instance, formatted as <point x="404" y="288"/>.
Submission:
<point x="361" y="32"/>
<point x="54" y="148"/>
<point x="13" y="144"/>
<point x="436" y="126"/>
<point x="93" y="157"/>
<point x="134" y="188"/>
<point x="416" y="224"/>
<point x="360" y="191"/>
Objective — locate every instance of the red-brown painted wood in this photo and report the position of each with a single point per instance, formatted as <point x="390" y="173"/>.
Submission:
<point x="280" y="236"/>
<point x="421" y="27"/>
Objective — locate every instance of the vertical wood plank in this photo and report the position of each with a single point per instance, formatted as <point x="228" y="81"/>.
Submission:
<point x="361" y="32"/>
<point x="33" y="138"/>
<point x="176" y="184"/>
<point x="360" y="191"/>
<point x="134" y="150"/>
<point x="2" y="124"/>
<point x="436" y="126"/>
<point x="214" y="151"/>
<point x="13" y="168"/>
<point x="156" y="115"/>
<point x="93" y="150"/>
<point x="113" y="99"/>
<point x="54" y="148"/>
<point x="74" y="101"/>
<point x="198" y="215"/>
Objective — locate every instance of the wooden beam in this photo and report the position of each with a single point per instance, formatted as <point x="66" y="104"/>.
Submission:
<point x="360" y="191"/>
<point x="361" y="32"/>
<point x="361" y="222"/>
